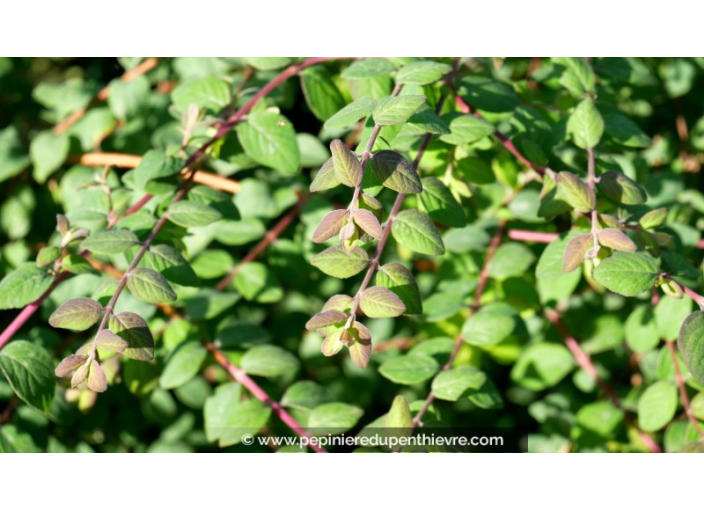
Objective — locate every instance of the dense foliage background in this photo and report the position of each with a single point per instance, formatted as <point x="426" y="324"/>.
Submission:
<point x="553" y="354"/>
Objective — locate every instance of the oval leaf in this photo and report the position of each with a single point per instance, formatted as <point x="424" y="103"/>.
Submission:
<point x="77" y="314"/>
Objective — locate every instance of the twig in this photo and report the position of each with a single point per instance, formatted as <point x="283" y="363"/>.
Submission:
<point x="535" y="237"/>
<point x="476" y="302"/>
<point x="585" y="362"/>
<point x="142" y="68"/>
<point x="683" y="391"/>
<point x="131" y="161"/>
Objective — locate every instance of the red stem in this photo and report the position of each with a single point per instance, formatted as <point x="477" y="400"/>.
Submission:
<point x="241" y="377"/>
<point x="683" y="391"/>
<point x="535" y="237"/>
<point x="585" y="362"/>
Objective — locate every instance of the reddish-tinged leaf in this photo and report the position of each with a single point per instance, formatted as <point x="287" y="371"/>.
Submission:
<point x="614" y="238"/>
<point x="368" y="222"/>
<point x="77" y="314"/>
<point x="332" y="344"/>
<point x="330" y="225"/>
<point x="96" y="379"/>
<point x="348" y="169"/>
<point x="69" y="364"/>
<point x="380" y="302"/>
<point x="325" y="318"/>
<point x="575" y="252"/>
<point x="110" y="341"/>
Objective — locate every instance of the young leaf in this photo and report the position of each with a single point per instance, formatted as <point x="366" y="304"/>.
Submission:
<point x="440" y="205"/>
<point x="148" y="285"/>
<point x="628" y="274"/>
<point x="332" y="343"/>
<point x="330" y="225"/>
<point x="24" y="285"/>
<point x="380" y="302"/>
<point x="351" y="113"/>
<point x="348" y="169"/>
<point x="70" y="364"/>
<point x="133" y="329"/>
<point x="48" y="255"/>
<point x="585" y="124"/>
<point x="325" y="318"/>
<point x="614" y="238"/>
<point x="395" y="172"/>
<point x="335" y="261"/>
<point x="396" y="110"/>
<point x="269" y="139"/>
<point x="110" y="242"/>
<point x="193" y="214"/>
<point x="360" y="345"/>
<point x="575" y="252"/>
<point x="325" y="178"/>
<point x="400" y="281"/>
<point x="77" y="314"/>
<point x="577" y="193"/>
<point x="340" y="302"/>
<point x="108" y="340"/>
<point x="621" y="189"/>
<point x="690" y="342"/>
<point x="416" y="231"/>
<point x="96" y="378"/>
<point x="29" y="368"/>
<point x="368" y="222"/>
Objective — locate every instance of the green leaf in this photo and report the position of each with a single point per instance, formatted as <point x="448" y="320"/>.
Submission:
<point x="304" y="395"/>
<point x="399" y="416"/>
<point x="440" y="205"/>
<point x="628" y="274"/>
<point x="657" y="406"/>
<point x="335" y="417"/>
<point x="269" y="139"/>
<point x="465" y="128"/>
<point x="77" y="314"/>
<point x="452" y="384"/>
<point x="578" y="76"/>
<point x="76" y="264"/>
<point x="183" y="364"/>
<point x="325" y="178"/>
<point x="320" y="92"/>
<point x="415" y="230"/>
<point x="585" y="124"/>
<point x="193" y="214"/>
<point x="30" y="371"/>
<point x="170" y="263"/>
<point x="395" y="172"/>
<point x="378" y="302"/>
<point x="489" y="326"/>
<point x="128" y="98"/>
<point x="48" y="255"/>
<point x="135" y="331"/>
<point x="368" y="68"/>
<point x="269" y="361"/>
<point x="690" y="342"/>
<point x="670" y="314"/>
<point x="267" y="63"/>
<point x="227" y="419"/>
<point x="625" y="131"/>
<point x="542" y="366"/>
<point x="110" y="242"/>
<point x="13" y="156"/>
<point x="640" y="329"/>
<point x="488" y="95"/>
<point x="257" y="283"/>
<point x="409" y="369"/>
<point x="24" y="285"/>
<point x="577" y="192"/>
<point x="351" y="113"/>
<point x="210" y="93"/>
<point x="426" y="120"/>
<point x="653" y="218"/>
<point x="348" y="169"/>
<point x="396" y="110"/>
<point x="335" y="261"/>
<point x="621" y="189"/>
<point x="510" y="259"/>
<point x="400" y="281"/>
<point x="422" y="73"/>
<point x="48" y="152"/>
<point x="156" y="165"/>
<point x="150" y="286"/>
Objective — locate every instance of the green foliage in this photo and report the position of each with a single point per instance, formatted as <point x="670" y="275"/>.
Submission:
<point x="361" y="243"/>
